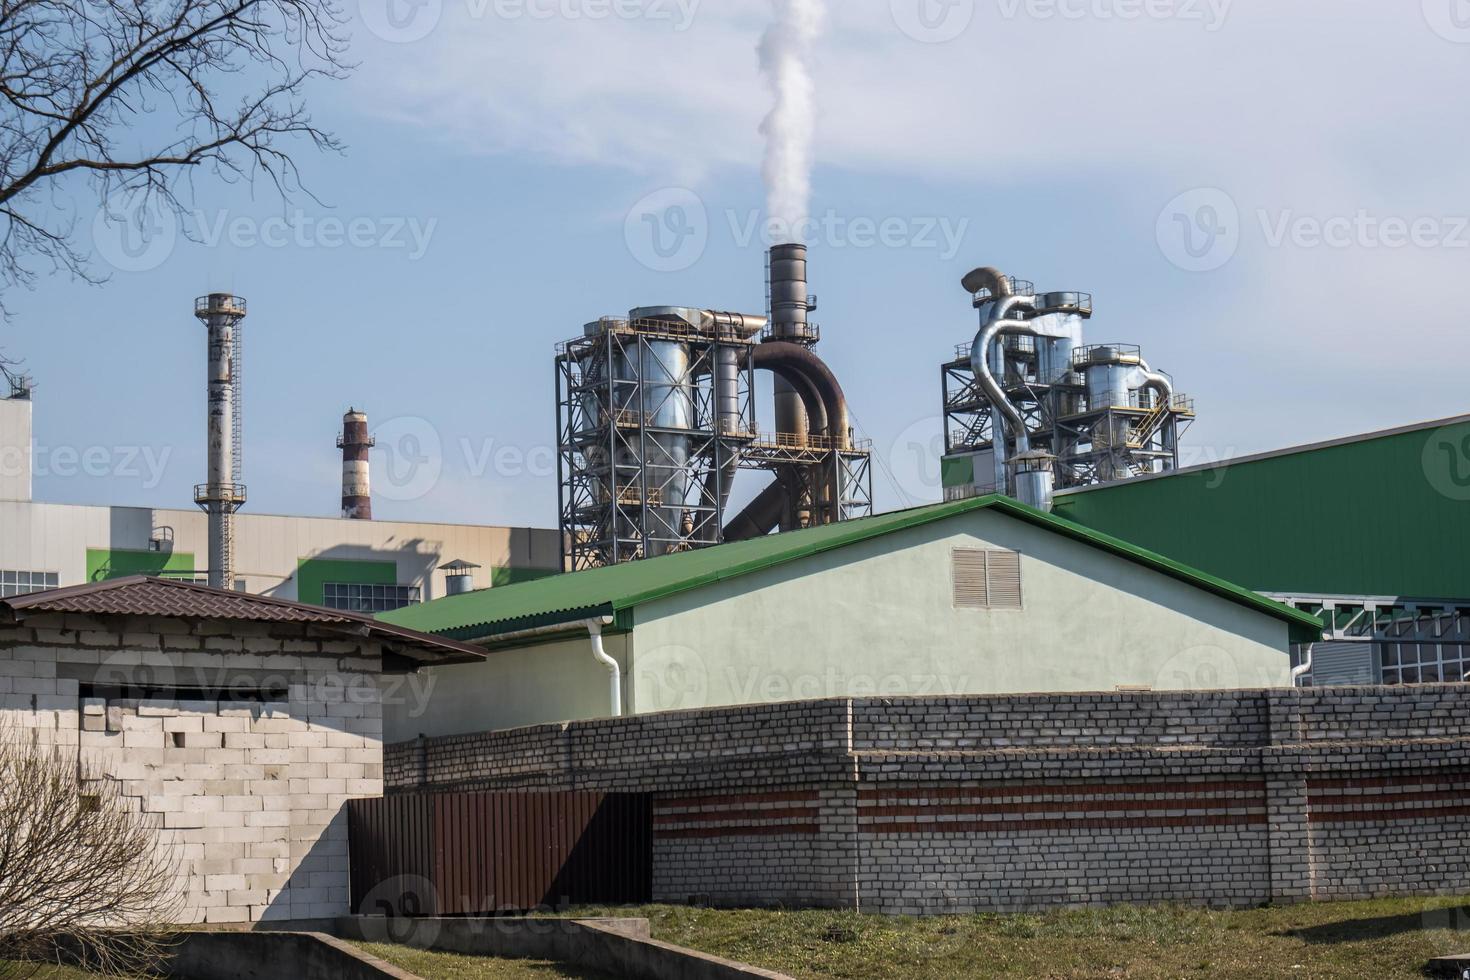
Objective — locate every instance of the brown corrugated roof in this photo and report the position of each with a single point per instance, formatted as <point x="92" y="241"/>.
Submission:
<point x="140" y="595"/>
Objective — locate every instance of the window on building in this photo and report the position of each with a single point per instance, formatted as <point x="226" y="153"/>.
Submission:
<point x="986" y="579"/>
<point x="1425" y="663"/>
<point x="351" y="597"/>
<point x="24" y="583"/>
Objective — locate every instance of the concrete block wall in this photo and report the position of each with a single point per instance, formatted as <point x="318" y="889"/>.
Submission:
<point x="914" y="805"/>
<point x="241" y="742"/>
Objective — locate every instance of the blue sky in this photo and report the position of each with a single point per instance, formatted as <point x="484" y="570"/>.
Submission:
<point x="1269" y="197"/>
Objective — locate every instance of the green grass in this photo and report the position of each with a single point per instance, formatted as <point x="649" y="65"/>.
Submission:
<point x="10" y="968"/>
<point x="452" y="966"/>
<point x="1367" y="940"/>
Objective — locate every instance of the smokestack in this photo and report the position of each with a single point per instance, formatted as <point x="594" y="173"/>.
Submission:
<point x="790" y="302"/>
<point x="222" y="496"/>
<point x="357" y="494"/>
<point x="459" y="577"/>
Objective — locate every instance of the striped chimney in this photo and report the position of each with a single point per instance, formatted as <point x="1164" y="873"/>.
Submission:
<point x="357" y="495"/>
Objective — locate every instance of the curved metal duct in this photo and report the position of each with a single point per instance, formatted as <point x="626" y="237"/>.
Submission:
<point x="986" y="277"/>
<point x="826" y="410"/>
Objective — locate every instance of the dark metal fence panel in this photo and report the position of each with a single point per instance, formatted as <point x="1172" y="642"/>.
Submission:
<point x="479" y="853"/>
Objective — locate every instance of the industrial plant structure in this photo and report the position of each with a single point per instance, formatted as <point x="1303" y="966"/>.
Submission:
<point x="355" y="564"/>
<point x="1030" y="407"/>
<point x="656" y="416"/>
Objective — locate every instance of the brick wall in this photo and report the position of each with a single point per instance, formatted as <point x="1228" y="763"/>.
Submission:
<point x="1019" y="802"/>
<point x="249" y="794"/>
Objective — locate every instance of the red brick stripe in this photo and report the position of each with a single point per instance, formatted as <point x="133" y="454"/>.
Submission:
<point x="1388" y="816"/>
<point x="1091" y="789"/>
<point x="1021" y="826"/>
<point x="744" y="799"/>
<point x="1357" y="799"/>
<point x="1197" y="804"/>
<point x="714" y="816"/>
<point x="770" y="830"/>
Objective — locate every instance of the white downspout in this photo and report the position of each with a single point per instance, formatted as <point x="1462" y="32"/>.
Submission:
<point x="615" y="673"/>
<point x="1304" y="668"/>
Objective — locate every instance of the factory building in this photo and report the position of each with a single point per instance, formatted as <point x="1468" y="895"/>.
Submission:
<point x="1368" y="532"/>
<point x="360" y="565"/>
<point x="979" y="596"/>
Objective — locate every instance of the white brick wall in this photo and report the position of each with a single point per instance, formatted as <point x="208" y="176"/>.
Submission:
<point x="249" y="795"/>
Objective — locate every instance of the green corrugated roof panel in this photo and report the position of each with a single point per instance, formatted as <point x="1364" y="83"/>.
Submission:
<point x="1383" y="514"/>
<point x="608" y="591"/>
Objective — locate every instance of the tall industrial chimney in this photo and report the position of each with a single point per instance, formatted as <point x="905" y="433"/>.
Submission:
<point x="357" y="494"/>
<point x="790" y="305"/>
<point x="222" y="496"/>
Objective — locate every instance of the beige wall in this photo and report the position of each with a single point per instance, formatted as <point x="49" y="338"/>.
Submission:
<point x="39" y="537"/>
<point x="878" y="618"/>
<point x="547" y="682"/>
<point x="15" y="449"/>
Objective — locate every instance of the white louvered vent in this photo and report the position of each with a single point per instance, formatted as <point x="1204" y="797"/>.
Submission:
<point x="986" y="579"/>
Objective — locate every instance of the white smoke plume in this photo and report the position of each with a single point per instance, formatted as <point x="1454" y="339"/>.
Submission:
<point x="785" y="56"/>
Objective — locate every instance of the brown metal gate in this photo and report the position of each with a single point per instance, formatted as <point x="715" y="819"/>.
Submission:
<point x="482" y="853"/>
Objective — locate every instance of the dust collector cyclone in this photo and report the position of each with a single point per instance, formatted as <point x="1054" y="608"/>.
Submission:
<point x="1029" y="407"/>
<point x="656" y="415"/>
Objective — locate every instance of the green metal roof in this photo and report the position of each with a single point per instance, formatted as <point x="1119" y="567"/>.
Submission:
<point x="616" y="589"/>
<point x="1382" y="514"/>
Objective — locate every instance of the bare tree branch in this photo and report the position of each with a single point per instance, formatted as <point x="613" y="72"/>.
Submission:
<point x="133" y="96"/>
<point x="83" y="873"/>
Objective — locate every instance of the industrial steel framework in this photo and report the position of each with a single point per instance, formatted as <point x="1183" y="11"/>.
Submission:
<point x="624" y="490"/>
<point x="648" y="447"/>
<point x="1092" y="443"/>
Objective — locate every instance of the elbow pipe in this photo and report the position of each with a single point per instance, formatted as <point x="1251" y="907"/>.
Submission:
<point x="786" y="359"/>
<point x="986" y="277"/>
<point x="615" y="672"/>
<point x="996" y="324"/>
<point x="1304" y="668"/>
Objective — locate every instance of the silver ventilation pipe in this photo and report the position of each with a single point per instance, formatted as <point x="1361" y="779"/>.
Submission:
<point x="998" y="322"/>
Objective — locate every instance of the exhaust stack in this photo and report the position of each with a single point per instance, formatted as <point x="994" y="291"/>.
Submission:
<point x="222" y="315"/>
<point x="357" y="494"/>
